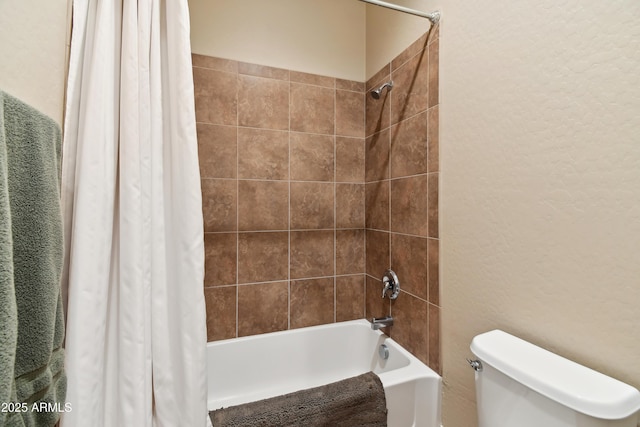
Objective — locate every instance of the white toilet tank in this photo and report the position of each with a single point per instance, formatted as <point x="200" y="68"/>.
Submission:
<point x="522" y="385"/>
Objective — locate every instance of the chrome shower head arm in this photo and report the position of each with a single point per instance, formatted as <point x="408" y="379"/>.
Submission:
<point x="375" y="93"/>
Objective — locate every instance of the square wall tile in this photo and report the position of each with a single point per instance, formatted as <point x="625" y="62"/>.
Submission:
<point x="217" y="150"/>
<point x="410" y="88"/>
<point x="433" y="205"/>
<point x="221" y="312"/>
<point x="349" y="251"/>
<point x="434" y="271"/>
<point x="433" y="125"/>
<point x="377" y="205"/>
<point x="312" y="157"/>
<point x="312" y="109"/>
<point x="311" y="205"/>
<point x="377" y="156"/>
<point x="263" y="256"/>
<point x="409" y="146"/>
<point x="219" y="204"/>
<point x="273" y="199"/>
<point x="219" y="64"/>
<point x="349" y="297"/>
<point x="381" y="76"/>
<point x="375" y="305"/>
<point x="410" y="326"/>
<point x="409" y="205"/>
<point x="313" y="79"/>
<point x="378" y="111"/>
<point x="312" y="302"/>
<point x="434" y="59"/>
<point x="263" y="308"/>
<point x="312" y="254"/>
<point x="215" y="95"/>
<point x="263" y="154"/>
<point x="434" y="34"/>
<point x="349" y="159"/>
<point x="349" y="205"/>
<point x="435" y="357"/>
<point x="263" y="71"/>
<point x="411" y="51"/>
<point x="263" y="103"/>
<point x="351" y="85"/>
<point x="349" y="113"/>
<point x="377" y="257"/>
<point x="220" y="259"/>
<point x="409" y="261"/>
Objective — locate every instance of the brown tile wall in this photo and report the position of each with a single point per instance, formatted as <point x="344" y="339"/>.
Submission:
<point x="282" y="165"/>
<point x="401" y="197"/>
<point x="311" y="190"/>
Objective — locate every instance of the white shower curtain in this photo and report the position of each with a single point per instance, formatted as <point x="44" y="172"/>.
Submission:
<point x="135" y="339"/>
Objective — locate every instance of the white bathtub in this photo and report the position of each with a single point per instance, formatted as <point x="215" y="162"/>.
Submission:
<point x="242" y="370"/>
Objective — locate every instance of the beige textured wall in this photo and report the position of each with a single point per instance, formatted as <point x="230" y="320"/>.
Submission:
<point x="33" y="39"/>
<point x="540" y="183"/>
<point x="324" y="37"/>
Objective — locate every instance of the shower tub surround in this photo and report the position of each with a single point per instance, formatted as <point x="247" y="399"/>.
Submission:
<point x="312" y="189"/>
<point x="253" y="368"/>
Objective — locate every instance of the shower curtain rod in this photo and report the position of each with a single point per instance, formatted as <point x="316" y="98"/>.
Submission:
<point x="433" y="17"/>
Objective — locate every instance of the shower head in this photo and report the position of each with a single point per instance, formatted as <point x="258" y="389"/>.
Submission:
<point x="375" y="93"/>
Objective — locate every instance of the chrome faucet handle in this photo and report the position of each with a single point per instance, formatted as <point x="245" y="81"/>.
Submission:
<point x="387" y="287"/>
<point x="391" y="283"/>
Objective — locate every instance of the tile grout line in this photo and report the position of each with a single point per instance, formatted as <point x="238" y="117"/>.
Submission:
<point x="364" y="214"/>
<point x="427" y="213"/>
<point x="283" y="230"/>
<point x="284" y="180"/>
<point x="237" y="213"/>
<point x="429" y="177"/>
<point x="401" y="177"/>
<point x="268" y="282"/>
<point x="391" y="97"/>
<point x="364" y="219"/>
<point x="335" y="200"/>
<point x="289" y="289"/>
<point x="228" y="285"/>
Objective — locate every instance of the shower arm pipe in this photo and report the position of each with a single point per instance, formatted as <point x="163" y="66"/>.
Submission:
<point x="433" y="17"/>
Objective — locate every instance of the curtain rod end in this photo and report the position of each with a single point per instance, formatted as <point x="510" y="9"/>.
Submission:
<point x="434" y="17"/>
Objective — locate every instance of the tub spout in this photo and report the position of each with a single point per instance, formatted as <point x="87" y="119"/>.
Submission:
<point x="381" y="322"/>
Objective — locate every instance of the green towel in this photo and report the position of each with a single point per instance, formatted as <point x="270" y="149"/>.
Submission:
<point x="31" y="252"/>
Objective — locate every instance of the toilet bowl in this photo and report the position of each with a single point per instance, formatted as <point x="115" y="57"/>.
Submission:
<point x="521" y="385"/>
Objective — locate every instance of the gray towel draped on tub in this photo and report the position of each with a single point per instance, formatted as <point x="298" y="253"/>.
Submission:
<point x="354" y="402"/>
<point x="31" y="318"/>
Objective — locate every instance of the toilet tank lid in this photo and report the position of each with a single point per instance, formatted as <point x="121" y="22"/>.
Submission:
<point x="562" y="380"/>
